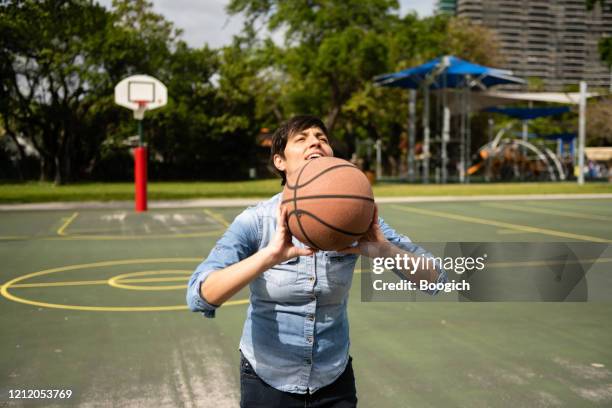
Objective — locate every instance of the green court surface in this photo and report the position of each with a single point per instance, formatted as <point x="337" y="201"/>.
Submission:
<point x="94" y="301"/>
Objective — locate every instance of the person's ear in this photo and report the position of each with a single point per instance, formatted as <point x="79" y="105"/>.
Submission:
<point x="279" y="162"/>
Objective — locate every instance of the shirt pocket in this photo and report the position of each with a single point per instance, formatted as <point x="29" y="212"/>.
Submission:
<point x="285" y="273"/>
<point x="340" y="268"/>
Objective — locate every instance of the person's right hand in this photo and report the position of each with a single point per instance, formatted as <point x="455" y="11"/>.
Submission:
<point x="281" y="246"/>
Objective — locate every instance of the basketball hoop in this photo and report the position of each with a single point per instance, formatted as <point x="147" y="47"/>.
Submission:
<point x="140" y="110"/>
<point x="140" y="93"/>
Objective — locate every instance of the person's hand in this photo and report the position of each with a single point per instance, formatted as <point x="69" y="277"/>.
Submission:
<point x="370" y="244"/>
<point x="281" y="246"/>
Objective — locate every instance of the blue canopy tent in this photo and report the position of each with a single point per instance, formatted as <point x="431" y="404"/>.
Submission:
<point x="442" y="73"/>
<point x="448" y="72"/>
<point x="529" y="113"/>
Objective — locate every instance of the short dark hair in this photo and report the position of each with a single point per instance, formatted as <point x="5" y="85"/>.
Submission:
<point x="287" y="129"/>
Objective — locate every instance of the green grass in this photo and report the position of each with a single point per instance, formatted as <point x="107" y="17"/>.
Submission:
<point x="47" y="192"/>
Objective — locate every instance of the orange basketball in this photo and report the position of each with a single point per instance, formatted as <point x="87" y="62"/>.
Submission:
<point x="329" y="204"/>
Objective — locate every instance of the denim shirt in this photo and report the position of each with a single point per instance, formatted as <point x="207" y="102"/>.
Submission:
<point x="296" y="334"/>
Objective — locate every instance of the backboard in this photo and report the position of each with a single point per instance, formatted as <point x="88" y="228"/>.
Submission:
<point x="140" y="93"/>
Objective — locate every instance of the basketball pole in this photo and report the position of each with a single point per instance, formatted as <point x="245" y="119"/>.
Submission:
<point x="140" y="93"/>
<point x="140" y="172"/>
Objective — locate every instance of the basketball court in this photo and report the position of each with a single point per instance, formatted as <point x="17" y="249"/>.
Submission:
<point x="94" y="301"/>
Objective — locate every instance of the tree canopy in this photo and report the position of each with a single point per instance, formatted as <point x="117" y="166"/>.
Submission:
<point x="58" y="120"/>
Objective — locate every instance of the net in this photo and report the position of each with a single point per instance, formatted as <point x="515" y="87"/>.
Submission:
<point x="139" y="112"/>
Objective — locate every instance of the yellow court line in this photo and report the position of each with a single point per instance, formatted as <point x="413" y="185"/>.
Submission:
<point x="4" y="289"/>
<point x="76" y="236"/>
<point x="508" y="232"/>
<point x="61" y="230"/>
<point x="356" y="271"/>
<point x="119" y="280"/>
<point x="95" y="282"/>
<point x="217" y="217"/>
<point x="237" y="302"/>
<point x="547" y="211"/>
<point x="89" y="231"/>
<point x="156" y="280"/>
<point x="500" y="224"/>
<point x="129" y="237"/>
<point x="51" y="284"/>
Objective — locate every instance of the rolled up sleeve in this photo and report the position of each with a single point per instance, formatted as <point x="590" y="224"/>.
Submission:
<point x="403" y="242"/>
<point x="238" y="242"/>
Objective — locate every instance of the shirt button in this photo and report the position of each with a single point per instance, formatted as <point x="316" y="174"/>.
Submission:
<point x="312" y="278"/>
<point x="310" y="317"/>
<point x="313" y="297"/>
<point x="309" y="339"/>
<point x="307" y="361"/>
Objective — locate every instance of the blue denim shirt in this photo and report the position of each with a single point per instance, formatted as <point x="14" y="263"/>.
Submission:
<point x="296" y="334"/>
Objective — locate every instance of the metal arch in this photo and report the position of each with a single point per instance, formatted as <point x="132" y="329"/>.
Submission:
<point x="557" y="163"/>
<point x="501" y="133"/>
<point x="537" y="151"/>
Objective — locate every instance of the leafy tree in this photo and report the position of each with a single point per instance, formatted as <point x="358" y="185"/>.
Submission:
<point x="473" y="42"/>
<point x="331" y="48"/>
<point x="599" y="125"/>
<point x="590" y="4"/>
<point x="605" y="50"/>
<point x="57" y="80"/>
<point x="605" y="43"/>
<point x="49" y="76"/>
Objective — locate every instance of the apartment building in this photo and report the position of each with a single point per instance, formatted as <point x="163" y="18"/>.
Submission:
<point x="555" y="41"/>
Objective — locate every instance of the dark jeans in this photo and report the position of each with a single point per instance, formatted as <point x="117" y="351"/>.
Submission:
<point x="254" y="393"/>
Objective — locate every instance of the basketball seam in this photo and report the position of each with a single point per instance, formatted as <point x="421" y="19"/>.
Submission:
<point x="297" y="182"/>
<point x="295" y="209"/>
<point x="298" y="212"/>
<point x="328" y="196"/>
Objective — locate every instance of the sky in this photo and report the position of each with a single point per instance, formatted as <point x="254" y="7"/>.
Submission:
<point x="205" y="21"/>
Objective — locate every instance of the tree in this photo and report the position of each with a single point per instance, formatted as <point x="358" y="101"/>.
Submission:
<point x="57" y="80"/>
<point x="590" y="4"/>
<point x="605" y="51"/>
<point x="605" y="43"/>
<point x="599" y="125"/>
<point x="331" y="48"/>
<point x="49" y="74"/>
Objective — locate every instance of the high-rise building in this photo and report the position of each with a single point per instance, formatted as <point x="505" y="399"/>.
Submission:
<point x="554" y="40"/>
<point x="446" y="7"/>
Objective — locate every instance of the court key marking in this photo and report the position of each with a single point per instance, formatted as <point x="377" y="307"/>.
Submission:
<point x="64" y="235"/>
<point x="117" y="281"/>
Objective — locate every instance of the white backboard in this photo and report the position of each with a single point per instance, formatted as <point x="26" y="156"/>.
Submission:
<point x="141" y="88"/>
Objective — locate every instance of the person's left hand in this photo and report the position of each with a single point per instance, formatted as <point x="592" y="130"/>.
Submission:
<point x="370" y="244"/>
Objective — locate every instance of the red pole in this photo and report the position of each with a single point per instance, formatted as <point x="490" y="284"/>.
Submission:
<point x="140" y="177"/>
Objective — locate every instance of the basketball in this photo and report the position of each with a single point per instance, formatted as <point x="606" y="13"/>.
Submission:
<point x="329" y="204"/>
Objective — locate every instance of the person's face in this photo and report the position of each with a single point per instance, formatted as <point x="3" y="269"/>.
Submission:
<point x="300" y="148"/>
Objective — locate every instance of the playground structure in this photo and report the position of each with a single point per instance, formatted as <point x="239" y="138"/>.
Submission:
<point x="507" y="158"/>
<point x="461" y="88"/>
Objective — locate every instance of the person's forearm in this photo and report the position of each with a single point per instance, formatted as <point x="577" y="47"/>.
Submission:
<point x="224" y="283"/>
<point x="426" y="271"/>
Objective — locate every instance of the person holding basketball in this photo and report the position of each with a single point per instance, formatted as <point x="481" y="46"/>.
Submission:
<point x="295" y="342"/>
